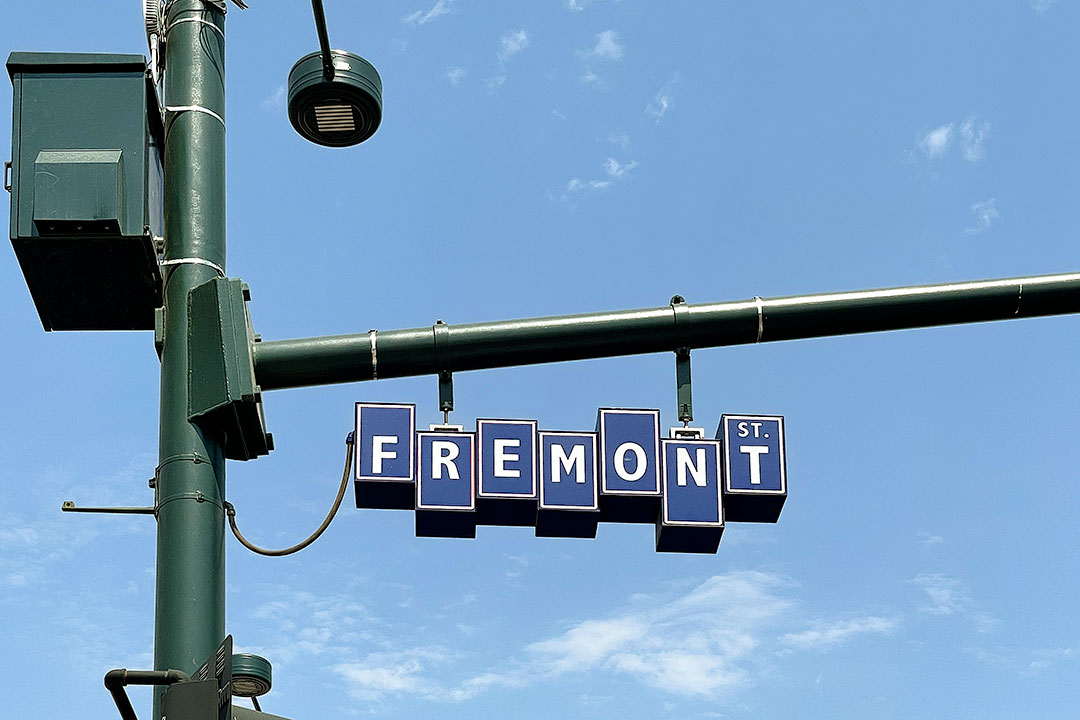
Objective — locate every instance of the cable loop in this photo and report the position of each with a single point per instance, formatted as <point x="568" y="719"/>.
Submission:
<point x="231" y="512"/>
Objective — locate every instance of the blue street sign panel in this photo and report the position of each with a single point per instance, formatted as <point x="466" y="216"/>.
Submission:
<point x="507" y="475"/>
<point x="445" y="484"/>
<point x="630" y="445"/>
<point x="507" y="458"/>
<point x="445" y="479"/>
<point x="692" y="482"/>
<point x="569" y="491"/>
<point x="385" y="452"/>
<point x="568" y="471"/>
<point x="693" y="514"/>
<point x="755" y="479"/>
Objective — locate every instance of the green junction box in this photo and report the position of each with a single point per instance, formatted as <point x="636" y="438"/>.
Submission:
<point x="86" y="188"/>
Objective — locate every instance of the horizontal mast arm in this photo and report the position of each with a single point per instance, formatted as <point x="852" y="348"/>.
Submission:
<point x="403" y="353"/>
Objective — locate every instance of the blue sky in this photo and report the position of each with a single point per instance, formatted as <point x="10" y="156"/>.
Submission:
<point x="568" y="156"/>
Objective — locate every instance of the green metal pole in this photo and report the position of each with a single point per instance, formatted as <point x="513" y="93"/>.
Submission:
<point x="190" y="602"/>
<point x="402" y="353"/>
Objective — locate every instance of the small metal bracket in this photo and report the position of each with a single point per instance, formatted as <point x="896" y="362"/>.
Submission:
<point x="686" y="433"/>
<point x="7" y="175"/>
<point x="683" y="383"/>
<point x="441" y="332"/>
<point x="69" y="506"/>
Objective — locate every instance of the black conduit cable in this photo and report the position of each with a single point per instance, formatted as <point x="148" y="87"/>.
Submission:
<point x="231" y="512"/>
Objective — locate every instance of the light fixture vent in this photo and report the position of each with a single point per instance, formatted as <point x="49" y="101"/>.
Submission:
<point x="335" y="118"/>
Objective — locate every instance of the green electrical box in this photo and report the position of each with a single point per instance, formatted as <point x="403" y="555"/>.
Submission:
<point x="222" y="394"/>
<point x="86" y="188"/>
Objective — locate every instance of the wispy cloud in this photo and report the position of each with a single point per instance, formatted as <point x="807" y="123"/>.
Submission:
<point x="700" y="644"/>
<point x="823" y="635"/>
<point x="1045" y="659"/>
<point x="1041" y="6"/>
<point x="607" y="47"/>
<point x="511" y="43"/>
<point x="274" y="102"/>
<point x="614" y="171"/>
<point x="621" y="139"/>
<point x="618" y="170"/>
<point x="419" y="17"/>
<point x="577" y="185"/>
<point x="972" y="135"/>
<point x="972" y="132"/>
<point x="455" y="75"/>
<point x="927" y="539"/>
<point x="944" y="595"/>
<point x="936" y="142"/>
<point x="579" y="5"/>
<point x="986" y="214"/>
<point x="663" y="100"/>
<point x="390" y="673"/>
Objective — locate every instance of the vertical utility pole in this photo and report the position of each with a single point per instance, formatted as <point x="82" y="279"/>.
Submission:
<point x="190" y="603"/>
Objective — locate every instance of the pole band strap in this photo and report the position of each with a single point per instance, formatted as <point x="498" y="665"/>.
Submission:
<point x="195" y="261"/>
<point x="681" y="312"/>
<point x="211" y="25"/>
<point x="176" y="109"/>
<point x="372" y="335"/>
<point x="760" y="317"/>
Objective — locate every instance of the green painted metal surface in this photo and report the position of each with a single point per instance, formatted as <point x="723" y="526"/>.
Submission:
<point x="190" y="591"/>
<point x="86" y="188"/>
<point x="223" y="397"/>
<point x="402" y="353"/>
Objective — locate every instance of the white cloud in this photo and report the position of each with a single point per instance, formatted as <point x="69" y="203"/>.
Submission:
<point x="620" y="139"/>
<point x="825" y="635"/>
<point x="618" y="170"/>
<point x="986" y="214"/>
<point x="382" y="674"/>
<point x="929" y="539"/>
<point x="275" y="102"/>
<point x="663" y="100"/>
<point x="577" y="5"/>
<point x="986" y="623"/>
<point x="419" y="17"/>
<point x="700" y="644"/>
<point x="579" y="185"/>
<point x="612" y="168"/>
<point x="511" y="43"/>
<point x="455" y="75"/>
<point x="944" y="595"/>
<point x="1041" y="6"/>
<point x="972" y="136"/>
<point x="591" y="78"/>
<point x="494" y="83"/>
<point x="936" y="142"/>
<point x="607" y="47"/>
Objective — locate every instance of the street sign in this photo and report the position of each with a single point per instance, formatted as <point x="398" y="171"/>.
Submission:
<point x="569" y="491"/>
<point x="693" y="514"/>
<point x="385" y="451"/>
<point x="629" y="468"/>
<point x="510" y="473"/>
<point x="507" y="472"/>
<point x="755" y="478"/>
<point x="446" y="484"/>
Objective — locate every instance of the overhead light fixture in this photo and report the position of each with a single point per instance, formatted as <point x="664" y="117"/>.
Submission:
<point x="335" y="97"/>
<point x="251" y="675"/>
